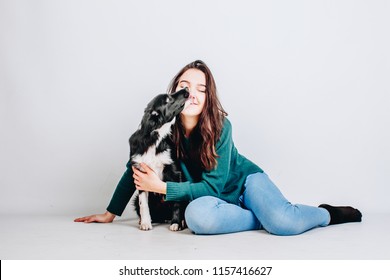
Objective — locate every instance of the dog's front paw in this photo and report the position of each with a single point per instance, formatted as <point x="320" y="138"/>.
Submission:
<point x="178" y="226"/>
<point x="145" y="226"/>
<point x="174" y="227"/>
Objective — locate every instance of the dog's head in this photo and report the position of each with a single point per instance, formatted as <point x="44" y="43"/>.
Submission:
<point x="163" y="109"/>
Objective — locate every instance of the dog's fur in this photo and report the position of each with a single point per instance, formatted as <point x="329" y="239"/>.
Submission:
<point x="152" y="144"/>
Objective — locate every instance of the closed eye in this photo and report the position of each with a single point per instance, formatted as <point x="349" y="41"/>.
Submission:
<point x="183" y="84"/>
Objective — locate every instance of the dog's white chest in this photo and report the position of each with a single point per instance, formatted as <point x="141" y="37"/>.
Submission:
<point x="155" y="161"/>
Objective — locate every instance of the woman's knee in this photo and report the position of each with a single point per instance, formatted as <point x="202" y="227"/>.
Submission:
<point x="258" y="182"/>
<point x="259" y="190"/>
<point x="199" y="214"/>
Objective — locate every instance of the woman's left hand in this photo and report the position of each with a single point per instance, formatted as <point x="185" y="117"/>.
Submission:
<point x="148" y="180"/>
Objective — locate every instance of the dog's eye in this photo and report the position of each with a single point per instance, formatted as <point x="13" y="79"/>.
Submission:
<point x="155" y="113"/>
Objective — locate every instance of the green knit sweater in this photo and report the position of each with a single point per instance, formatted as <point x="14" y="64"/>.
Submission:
<point x="226" y="181"/>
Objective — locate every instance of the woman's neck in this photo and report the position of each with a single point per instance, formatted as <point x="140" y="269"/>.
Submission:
<point x="189" y="123"/>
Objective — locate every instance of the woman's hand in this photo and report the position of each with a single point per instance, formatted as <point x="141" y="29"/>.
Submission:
<point x="98" y="218"/>
<point x="148" y="180"/>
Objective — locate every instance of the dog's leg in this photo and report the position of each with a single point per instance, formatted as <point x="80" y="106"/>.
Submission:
<point x="176" y="223"/>
<point x="183" y="206"/>
<point x="146" y="220"/>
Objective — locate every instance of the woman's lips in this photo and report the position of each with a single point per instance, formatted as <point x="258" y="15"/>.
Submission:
<point x="190" y="103"/>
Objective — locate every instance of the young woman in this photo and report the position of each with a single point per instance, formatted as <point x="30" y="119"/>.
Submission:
<point x="227" y="192"/>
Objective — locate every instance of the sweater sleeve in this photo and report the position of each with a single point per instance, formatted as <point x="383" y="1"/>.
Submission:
<point x="212" y="182"/>
<point x="122" y="193"/>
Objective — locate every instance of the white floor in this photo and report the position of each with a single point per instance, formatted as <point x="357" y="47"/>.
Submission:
<point x="58" y="237"/>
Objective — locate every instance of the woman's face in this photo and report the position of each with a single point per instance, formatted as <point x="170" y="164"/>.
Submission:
<point x="195" y="81"/>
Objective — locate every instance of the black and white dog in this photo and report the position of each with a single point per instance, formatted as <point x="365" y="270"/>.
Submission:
<point x="152" y="144"/>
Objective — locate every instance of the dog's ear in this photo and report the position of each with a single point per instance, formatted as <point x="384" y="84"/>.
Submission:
<point x="151" y="120"/>
<point x="156" y="118"/>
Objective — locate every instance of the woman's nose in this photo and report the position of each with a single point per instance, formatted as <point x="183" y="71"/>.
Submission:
<point x="192" y="93"/>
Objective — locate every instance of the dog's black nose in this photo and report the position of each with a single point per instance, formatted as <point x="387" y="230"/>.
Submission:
<point x="187" y="93"/>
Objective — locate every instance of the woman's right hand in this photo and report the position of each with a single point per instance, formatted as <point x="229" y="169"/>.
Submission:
<point x="97" y="218"/>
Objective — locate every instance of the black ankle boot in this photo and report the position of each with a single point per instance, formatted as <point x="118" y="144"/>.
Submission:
<point x="342" y="214"/>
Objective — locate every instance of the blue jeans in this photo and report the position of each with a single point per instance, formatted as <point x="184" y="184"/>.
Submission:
<point x="262" y="206"/>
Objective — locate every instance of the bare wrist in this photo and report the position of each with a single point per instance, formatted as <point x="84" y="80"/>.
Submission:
<point x="163" y="188"/>
<point x="109" y="216"/>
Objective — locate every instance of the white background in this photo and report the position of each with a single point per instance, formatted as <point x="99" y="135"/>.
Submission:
<point x="305" y="83"/>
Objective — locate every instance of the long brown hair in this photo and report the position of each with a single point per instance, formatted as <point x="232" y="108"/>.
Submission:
<point x="209" y="127"/>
